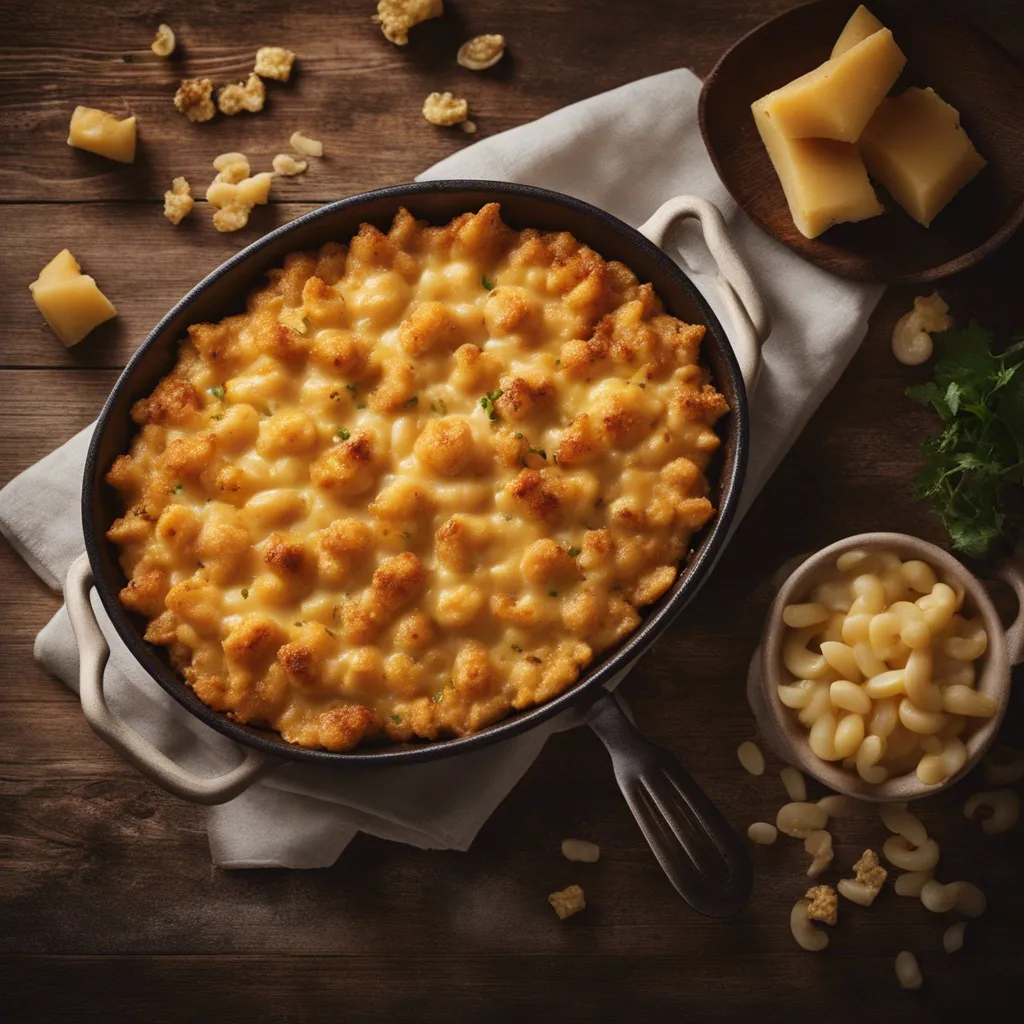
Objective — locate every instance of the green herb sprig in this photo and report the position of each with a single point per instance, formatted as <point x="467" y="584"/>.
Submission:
<point x="979" y="396"/>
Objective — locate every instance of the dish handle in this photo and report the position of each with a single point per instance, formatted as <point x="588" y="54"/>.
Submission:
<point x="703" y="857"/>
<point x="93" y="653"/>
<point x="750" y="320"/>
<point x="1012" y="572"/>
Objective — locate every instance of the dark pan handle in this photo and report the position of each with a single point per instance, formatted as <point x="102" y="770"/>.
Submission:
<point x="703" y="857"/>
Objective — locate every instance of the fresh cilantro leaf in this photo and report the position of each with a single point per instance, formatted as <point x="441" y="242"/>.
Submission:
<point x="574" y="552"/>
<point x="487" y="403"/>
<point x="516" y="648"/>
<point x="489" y="285"/>
<point x="397" y="719"/>
<point x="344" y="433"/>
<point x="218" y="392"/>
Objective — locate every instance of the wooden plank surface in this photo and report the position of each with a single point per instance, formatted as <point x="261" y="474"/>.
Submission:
<point x="109" y="909"/>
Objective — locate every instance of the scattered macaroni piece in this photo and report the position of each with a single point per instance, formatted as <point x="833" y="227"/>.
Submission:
<point x="912" y="335"/>
<point x="762" y="833"/>
<point x="481" y="52"/>
<point x="469" y="127"/>
<point x="231" y="167"/>
<point x="444" y="109"/>
<point x="70" y="301"/>
<point x="396" y="17"/>
<point x="285" y="163"/>
<point x="568" y="902"/>
<point x="908" y="971"/>
<point x="953" y="937"/>
<point x="836" y="805"/>
<point x="964" y="897"/>
<point x="194" y="99"/>
<point x="235" y="200"/>
<point x="102" y="133"/>
<point x="1004" y="766"/>
<point x="274" y="62"/>
<point x="819" y="845"/>
<point x="900" y="821"/>
<point x="163" y="45"/>
<point x="885" y="682"/>
<point x="751" y="758"/>
<point x="581" y="850"/>
<point x="807" y="936"/>
<point x="824" y="905"/>
<point x="904" y="855"/>
<point x="799" y="819"/>
<point x="178" y="202"/>
<point x="305" y="145"/>
<point x="870" y="877"/>
<point x="910" y="883"/>
<point x="1003" y="806"/>
<point x="796" y="785"/>
<point x="938" y="898"/>
<point x="249" y="95"/>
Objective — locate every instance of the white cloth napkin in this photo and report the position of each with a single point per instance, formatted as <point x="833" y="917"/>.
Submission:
<point x="626" y="151"/>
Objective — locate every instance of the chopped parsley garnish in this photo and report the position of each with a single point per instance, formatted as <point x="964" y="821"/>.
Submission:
<point x="574" y="552"/>
<point x="438" y="406"/>
<point x="516" y="648"/>
<point x="352" y="388"/>
<point x="405" y="534"/>
<point x="489" y="285"/>
<point x="245" y="593"/>
<point x="218" y="392"/>
<point x="558" y="364"/>
<point x="299" y="623"/>
<point x="329" y="632"/>
<point x="438" y="697"/>
<point x="412" y="401"/>
<point x="641" y="384"/>
<point x="507" y="517"/>
<point x="487" y="403"/>
<point x="397" y="719"/>
<point x="519" y="436"/>
<point x="343" y="433"/>
<point x="219" y="416"/>
<point x="176" y="489"/>
<point x="360" y="405"/>
<point x="979" y="396"/>
<point x="552" y="593"/>
<point x="538" y="451"/>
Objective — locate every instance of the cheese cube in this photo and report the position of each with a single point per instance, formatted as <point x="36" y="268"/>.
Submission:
<point x="70" y="301"/>
<point x="824" y="180"/>
<point x="914" y="147"/>
<point x="102" y="133"/>
<point x="862" y="24"/>
<point x="837" y="99"/>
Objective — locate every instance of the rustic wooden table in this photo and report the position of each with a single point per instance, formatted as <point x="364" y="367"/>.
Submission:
<point x="109" y="909"/>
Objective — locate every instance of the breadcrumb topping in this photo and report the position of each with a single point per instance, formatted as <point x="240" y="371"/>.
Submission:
<point x="194" y="99"/>
<point x="274" y="62"/>
<point x="178" y="202"/>
<point x="824" y="904"/>
<point x="869" y="872"/>
<point x="249" y="95"/>
<point x="445" y="109"/>
<point x="568" y="902"/>
<point x="231" y="218"/>
<point x="481" y="52"/>
<point x="396" y="17"/>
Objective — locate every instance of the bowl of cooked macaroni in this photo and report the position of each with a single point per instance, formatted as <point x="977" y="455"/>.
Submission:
<point x="415" y="471"/>
<point x="884" y="669"/>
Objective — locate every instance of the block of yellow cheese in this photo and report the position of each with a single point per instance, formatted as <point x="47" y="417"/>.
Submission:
<point x="914" y="147"/>
<point x="824" y="180"/>
<point x="862" y="24"/>
<point x="837" y="99"/>
<point x="70" y="301"/>
<point x="100" y="132"/>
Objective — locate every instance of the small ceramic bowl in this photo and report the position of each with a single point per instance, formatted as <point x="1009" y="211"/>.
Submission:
<point x="789" y="738"/>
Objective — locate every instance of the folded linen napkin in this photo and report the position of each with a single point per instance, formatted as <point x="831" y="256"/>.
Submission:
<point x="626" y="151"/>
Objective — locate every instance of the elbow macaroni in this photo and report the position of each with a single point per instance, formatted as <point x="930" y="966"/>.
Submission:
<point x="896" y="691"/>
<point x="422" y="481"/>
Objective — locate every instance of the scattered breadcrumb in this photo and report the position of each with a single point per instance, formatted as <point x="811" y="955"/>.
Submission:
<point x="231" y="167"/>
<point x="481" y="52"/>
<point x="249" y="95"/>
<point x="305" y="145"/>
<point x="824" y="904"/>
<point x="178" y="202"/>
<point x="568" y="902"/>
<point x="396" y="17"/>
<point x="194" y="99"/>
<point x="231" y="218"/>
<point x="163" y="45"/>
<point x="444" y="109"/>
<point x="274" y="62"/>
<point x="285" y="163"/>
<point x="869" y="872"/>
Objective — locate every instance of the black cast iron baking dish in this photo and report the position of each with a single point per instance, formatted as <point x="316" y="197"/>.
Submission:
<point x="224" y="291"/>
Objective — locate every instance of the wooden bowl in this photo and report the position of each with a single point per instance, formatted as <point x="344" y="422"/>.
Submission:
<point x="966" y="68"/>
<point x="778" y="724"/>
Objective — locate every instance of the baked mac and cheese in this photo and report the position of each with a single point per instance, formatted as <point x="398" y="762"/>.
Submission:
<point x="422" y="481"/>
